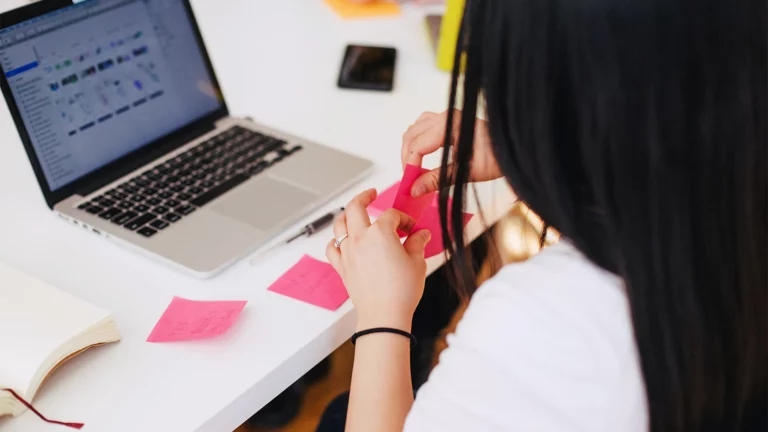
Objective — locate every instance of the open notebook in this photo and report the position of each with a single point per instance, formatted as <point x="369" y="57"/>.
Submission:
<point x="40" y="328"/>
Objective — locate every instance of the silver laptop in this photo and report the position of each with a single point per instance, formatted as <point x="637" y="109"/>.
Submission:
<point x="121" y="115"/>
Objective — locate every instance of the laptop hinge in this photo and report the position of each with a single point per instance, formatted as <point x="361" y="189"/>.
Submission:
<point x="221" y="121"/>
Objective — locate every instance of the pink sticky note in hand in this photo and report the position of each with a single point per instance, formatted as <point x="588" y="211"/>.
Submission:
<point x="191" y="319"/>
<point x="423" y="209"/>
<point x="384" y="200"/>
<point x="413" y="207"/>
<point x="313" y="282"/>
<point x="430" y="220"/>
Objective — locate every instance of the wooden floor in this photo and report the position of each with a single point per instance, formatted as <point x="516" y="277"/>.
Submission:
<point x="319" y="394"/>
<point x="517" y="237"/>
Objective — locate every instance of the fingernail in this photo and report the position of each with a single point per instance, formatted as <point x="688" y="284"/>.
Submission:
<point x="418" y="190"/>
<point x="427" y="236"/>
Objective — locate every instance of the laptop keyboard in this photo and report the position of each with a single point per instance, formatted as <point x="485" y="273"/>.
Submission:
<point x="163" y="195"/>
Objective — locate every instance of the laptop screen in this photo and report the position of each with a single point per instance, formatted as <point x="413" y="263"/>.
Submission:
<point x="100" y="79"/>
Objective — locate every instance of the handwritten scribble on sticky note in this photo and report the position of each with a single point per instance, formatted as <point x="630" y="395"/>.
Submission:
<point x="193" y="319"/>
<point x="313" y="282"/>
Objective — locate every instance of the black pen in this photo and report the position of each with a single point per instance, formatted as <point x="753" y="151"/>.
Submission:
<point x="310" y="229"/>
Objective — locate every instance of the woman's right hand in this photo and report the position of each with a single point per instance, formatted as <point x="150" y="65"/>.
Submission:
<point x="427" y="135"/>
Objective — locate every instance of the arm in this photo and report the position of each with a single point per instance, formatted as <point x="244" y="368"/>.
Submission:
<point x="385" y="280"/>
<point x="381" y="393"/>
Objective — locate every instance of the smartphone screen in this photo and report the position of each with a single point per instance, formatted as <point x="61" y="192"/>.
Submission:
<point x="368" y="68"/>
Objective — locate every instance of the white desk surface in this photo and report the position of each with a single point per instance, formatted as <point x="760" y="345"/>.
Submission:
<point x="277" y="61"/>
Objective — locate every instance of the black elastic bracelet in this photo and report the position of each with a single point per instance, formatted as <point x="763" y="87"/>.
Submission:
<point x="384" y="330"/>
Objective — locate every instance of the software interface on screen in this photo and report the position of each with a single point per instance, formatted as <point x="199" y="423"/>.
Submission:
<point x="100" y="79"/>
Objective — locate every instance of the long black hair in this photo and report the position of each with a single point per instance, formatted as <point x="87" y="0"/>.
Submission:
<point x="638" y="129"/>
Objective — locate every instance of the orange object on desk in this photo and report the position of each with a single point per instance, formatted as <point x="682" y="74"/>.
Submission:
<point x="350" y="9"/>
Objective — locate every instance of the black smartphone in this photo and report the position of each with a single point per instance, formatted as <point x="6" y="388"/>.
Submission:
<point x="368" y="68"/>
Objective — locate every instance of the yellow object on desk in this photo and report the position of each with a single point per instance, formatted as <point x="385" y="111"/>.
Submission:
<point x="349" y="9"/>
<point x="449" y="34"/>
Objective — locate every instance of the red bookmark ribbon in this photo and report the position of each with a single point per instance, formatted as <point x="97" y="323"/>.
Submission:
<point x="31" y="408"/>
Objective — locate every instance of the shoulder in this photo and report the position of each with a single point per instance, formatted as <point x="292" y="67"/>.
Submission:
<point x="559" y="298"/>
<point x="544" y="345"/>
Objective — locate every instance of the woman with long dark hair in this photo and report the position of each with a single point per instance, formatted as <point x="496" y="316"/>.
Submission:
<point x="639" y="130"/>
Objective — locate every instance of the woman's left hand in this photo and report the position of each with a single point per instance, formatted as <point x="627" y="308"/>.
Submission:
<point x="384" y="278"/>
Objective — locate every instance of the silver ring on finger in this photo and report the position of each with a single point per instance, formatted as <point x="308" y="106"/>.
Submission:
<point x="337" y="242"/>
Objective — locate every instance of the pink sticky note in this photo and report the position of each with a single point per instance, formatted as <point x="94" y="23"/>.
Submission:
<point x="407" y="204"/>
<point x="430" y="220"/>
<point x="191" y="319"/>
<point x="384" y="200"/>
<point x="313" y="282"/>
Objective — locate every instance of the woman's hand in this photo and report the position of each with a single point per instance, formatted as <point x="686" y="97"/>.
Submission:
<point x="427" y="135"/>
<point x="384" y="278"/>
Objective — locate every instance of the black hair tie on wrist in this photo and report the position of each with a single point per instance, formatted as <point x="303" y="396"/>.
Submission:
<point x="384" y="330"/>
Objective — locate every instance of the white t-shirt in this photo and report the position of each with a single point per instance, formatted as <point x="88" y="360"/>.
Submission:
<point x="545" y="345"/>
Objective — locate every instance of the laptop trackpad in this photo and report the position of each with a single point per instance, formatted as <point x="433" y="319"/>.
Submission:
<point x="263" y="202"/>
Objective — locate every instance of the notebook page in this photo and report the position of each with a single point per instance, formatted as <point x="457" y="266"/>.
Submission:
<point x="36" y="319"/>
